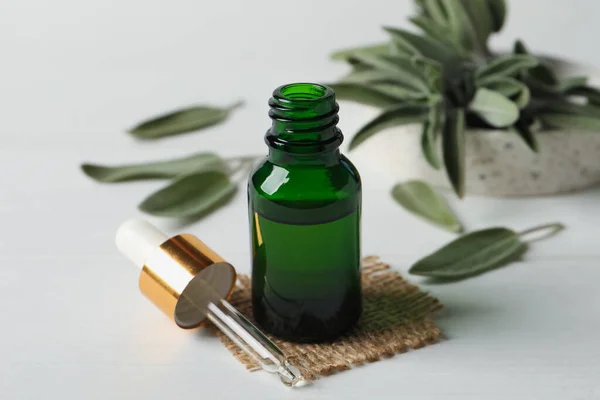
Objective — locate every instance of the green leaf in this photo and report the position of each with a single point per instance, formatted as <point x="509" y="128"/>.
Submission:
<point x="190" y="196"/>
<point x="528" y="137"/>
<point x="422" y="45"/>
<point x="436" y="11"/>
<point x="460" y="24"/>
<point x="498" y="13"/>
<point x="494" y="108"/>
<point x="572" y="83"/>
<point x="431" y="127"/>
<point x="181" y="121"/>
<point x="383" y="82"/>
<point x="437" y="32"/>
<point x="510" y="88"/>
<point x="375" y="49"/>
<point x="588" y="110"/>
<point x="481" y="251"/>
<point x="480" y="16"/>
<point x="591" y="94"/>
<point x="453" y="145"/>
<point x="155" y="170"/>
<point x="570" y="122"/>
<point x="508" y="65"/>
<point x="362" y="94"/>
<point x="471" y="254"/>
<point x="397" y="115"/>
<point x="541" y="73"/>
<point x="403" y="70"/>
<point x="420" y="199"/>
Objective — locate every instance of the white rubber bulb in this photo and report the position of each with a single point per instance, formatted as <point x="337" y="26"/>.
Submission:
<point x="136" y="239"/>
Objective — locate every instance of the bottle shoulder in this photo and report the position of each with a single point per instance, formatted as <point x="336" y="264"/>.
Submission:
<point x="305" y="181"/>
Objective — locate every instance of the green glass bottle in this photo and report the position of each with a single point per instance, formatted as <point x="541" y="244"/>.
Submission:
<point x="304" y="208"/>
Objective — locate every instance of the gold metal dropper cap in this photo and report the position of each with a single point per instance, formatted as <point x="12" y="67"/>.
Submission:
<point x="181" y="275"/>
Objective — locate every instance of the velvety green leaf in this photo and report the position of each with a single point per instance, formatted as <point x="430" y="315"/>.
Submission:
<point x="528" y="137"/>
<point x="588" y="110"/>
<point x="422" y="45"/>
<point x="437" y="32"/>
<point x="591" y="94"/>
<point x="511" y="88"/>
<point x="460" y="24"/>
<point x="397" y="115"/>
<point x="480" y="16"/>
<point x="383" y="82"/>
<point x="431" y="127"/>
<point x="402" y="69"/>
<point x="398" y="92"/>
<point x="190" y="196"/>
<point x="453" y="145"/>
<point x="540" y="73"/>
<point x="572" y="82"/>
<point x="571" y="122"/>
<point x="182" y="121"/>
<point x="498" y="12"/>
<point x="362" y="94"/>
<point x="435" y="10"/>
<point x="420" y="199"/>
<point x="156" y="170"/>
<point x="471" y="254"/>
<point x="508" y="65"/>
<point x="375" y="49"/>
<point x="494" y="108"/>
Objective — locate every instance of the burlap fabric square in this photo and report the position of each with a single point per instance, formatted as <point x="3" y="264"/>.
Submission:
<point x="397" y="317"/>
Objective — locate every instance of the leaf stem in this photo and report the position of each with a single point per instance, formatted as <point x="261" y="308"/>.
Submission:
<point x="235" y="105"/>
<point x="551" y="228"/>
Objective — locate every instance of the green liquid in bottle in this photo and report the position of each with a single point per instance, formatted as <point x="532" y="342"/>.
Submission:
<point x="304" y="203"/>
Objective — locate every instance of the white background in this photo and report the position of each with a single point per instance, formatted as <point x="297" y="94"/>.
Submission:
<point x="75" y="74"/>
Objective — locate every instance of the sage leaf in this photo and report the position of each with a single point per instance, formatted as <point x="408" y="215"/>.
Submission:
<point x="540" y="73"/>
<point x="436" y="11"/>
<point x="479" y="14"/>
<point x="570" y="121"/>
<point x="401" y="68"/>
<point x="156" y="170"/>
<point x="362" y="94"/>
<point x="494" y="108"/>
<point x="182" y="121"/>
<point x="588" y="110"/>
<point x="375" y="49"/>
<point x="190" y="196"/>
<point x="431" y="127"/>
<point x="511" y="88"/>
<point x="398" y="115"/>
<point x="453" y="145"/>
<point x="437" y="32"/>
<point x="508" y="65"/>
<point x="498" y="13"/>
<point x="572" y="83"/>
<point x="421" y="45"/>
<point x="460" y="24"/>
<point x="471" y="254"/>
<point x="478" y="252"/>
<point x="420" y="199"/>
<point x="528" y="137"/>
<point x="591" y="94"/>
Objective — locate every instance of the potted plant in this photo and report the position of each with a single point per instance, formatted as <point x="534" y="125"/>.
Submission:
<point x="450" y="111"/>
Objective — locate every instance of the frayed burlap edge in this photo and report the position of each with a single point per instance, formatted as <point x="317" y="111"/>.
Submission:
<point x="397" y="317"/>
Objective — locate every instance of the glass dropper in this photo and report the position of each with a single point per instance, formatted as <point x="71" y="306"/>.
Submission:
<point x="190" y="283"/>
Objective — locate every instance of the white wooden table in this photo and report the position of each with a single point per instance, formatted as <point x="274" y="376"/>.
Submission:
<point x="74" y="75"/>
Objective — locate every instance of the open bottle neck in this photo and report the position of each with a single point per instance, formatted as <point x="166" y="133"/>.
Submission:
<point x="304" y="129"/>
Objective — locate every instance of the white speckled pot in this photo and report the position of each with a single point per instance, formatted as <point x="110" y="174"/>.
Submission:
<point x="498" y="163"/>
